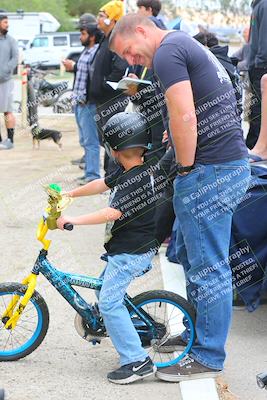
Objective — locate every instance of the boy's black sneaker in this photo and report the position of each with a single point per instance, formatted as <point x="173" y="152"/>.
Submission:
<point x="132" y="372"/>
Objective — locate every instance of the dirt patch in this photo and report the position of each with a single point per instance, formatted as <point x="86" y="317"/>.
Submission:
<point x="223" y="390"/>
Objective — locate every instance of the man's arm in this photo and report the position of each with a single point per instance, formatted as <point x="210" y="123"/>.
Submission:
<point x="13" y="62"/>
<point x="183" y="121"/>
<point x="262" y="43"/>
<point x="95" y="187"/>
<point x="105" y="215"/>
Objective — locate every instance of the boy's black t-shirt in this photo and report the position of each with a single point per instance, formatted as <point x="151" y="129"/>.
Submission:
<point x="135" y="193"/>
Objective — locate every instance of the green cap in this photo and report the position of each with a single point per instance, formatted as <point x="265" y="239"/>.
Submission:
<point x="55" y="187"/>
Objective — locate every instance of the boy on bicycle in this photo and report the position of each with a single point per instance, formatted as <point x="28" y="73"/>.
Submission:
<point x="130" y="236"/>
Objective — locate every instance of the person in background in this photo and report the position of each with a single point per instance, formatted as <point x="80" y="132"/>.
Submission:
<point x="257" y="65"/>
<point x="9" y="55"/>
<point x="221" y="53"/>
<point x="259" y="151"/>
<point x="240" y="57"/>
<point x="151" y="9"/>
<point x="201" y="37"/>
<point x="242" y="54"/>
<point x="107" y="66"/>
<point x="85" y="111"/>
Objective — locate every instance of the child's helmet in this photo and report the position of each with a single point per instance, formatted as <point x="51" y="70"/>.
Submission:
<point x="126" y="131"/>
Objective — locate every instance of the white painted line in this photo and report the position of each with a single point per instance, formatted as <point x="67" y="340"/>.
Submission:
<point x="200" y="389"/>
<point x="174" y="281"/>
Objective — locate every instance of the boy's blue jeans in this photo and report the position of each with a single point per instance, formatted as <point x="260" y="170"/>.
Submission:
<point x="204" y="202"/>
<point x="89" y="140"/>
<point x="120" y="270"/>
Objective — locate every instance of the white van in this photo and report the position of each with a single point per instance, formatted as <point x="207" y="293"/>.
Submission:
<point x="51" y="48"/>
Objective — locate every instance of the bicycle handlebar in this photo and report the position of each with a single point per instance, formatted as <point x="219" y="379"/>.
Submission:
<point x="68" y="226"/>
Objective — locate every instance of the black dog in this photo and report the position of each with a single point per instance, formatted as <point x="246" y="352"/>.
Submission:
<point x="41" y="134"/>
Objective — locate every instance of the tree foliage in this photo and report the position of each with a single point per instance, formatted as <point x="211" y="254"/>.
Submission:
<point x="79" y="7"/>
<point x="58" y="8"/>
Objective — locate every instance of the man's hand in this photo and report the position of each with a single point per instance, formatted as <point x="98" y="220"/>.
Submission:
<point x="68" y="64"/>
<point x="132" y="89"/>
<point x="165" y="137"/>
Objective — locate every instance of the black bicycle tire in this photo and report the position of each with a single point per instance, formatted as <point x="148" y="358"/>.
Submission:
<point x="167" y="295"/>
<point x="39" y="300"/>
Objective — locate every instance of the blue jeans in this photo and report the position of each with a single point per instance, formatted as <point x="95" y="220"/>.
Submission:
<point x="89" y="140"/>
<point x="120" y="270"/>
<point x="204" y="202"/>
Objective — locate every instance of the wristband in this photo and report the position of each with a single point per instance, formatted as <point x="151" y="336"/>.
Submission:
<point x="181" y="169"/>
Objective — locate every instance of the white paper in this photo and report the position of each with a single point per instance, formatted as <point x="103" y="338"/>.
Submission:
<point x="124" y="83"/>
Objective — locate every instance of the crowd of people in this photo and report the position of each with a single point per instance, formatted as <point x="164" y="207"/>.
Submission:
<point x="182" y="143"/>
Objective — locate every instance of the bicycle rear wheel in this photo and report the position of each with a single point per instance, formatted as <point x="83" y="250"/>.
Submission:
<point x="171" y="315"/>
<point x="31" y="328"/>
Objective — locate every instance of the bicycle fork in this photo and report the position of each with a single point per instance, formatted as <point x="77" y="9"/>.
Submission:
<point x="15" y="308"/>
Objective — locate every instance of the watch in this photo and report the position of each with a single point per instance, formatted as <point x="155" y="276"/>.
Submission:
<point x="181" y="169"/>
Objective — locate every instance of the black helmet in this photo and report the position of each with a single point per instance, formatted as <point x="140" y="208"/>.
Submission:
<point x="88" y="22"/>
<point x="127" y="130"/>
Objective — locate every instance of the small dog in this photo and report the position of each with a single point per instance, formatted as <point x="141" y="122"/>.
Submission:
<point x="41" y="134"/>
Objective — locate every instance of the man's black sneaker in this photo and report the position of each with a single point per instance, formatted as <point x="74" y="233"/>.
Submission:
<point x="132" y="372"/>
<point x="186" y="369"/>
<point x="174" y="343"/>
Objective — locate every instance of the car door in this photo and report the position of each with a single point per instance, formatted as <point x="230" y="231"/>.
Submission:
<point x="39" y="50"/>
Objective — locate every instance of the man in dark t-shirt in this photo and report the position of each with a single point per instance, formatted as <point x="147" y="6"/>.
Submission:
<point x="130" y="235"/>
<point x="212" y="178"/>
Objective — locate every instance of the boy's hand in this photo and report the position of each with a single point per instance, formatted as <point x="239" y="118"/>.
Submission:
<point x="66" y="194"/>
<point x="61" y="221"/>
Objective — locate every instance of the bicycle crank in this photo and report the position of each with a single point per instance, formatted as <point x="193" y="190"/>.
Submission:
<point x="86" y="332"/>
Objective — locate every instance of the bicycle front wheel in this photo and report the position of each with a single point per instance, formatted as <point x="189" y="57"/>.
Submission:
<point x="64" y="103"/>
<point x="159" y="316"/>
<point x="31" y="328"/>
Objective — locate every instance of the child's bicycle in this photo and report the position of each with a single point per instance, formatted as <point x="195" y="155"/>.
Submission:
<point x="157" y="315"/>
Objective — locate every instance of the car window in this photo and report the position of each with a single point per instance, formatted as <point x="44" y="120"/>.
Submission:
<point x="75" y="40"/>
<point x="40" y="42"/>
<point x="60" y="41"/>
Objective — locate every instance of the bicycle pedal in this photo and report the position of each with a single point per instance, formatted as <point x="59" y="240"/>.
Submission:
<point x="95" y="341"/>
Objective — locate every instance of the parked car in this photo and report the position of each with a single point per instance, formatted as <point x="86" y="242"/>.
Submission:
<point x="74" y="55"/>
<point x="50" y="48"/>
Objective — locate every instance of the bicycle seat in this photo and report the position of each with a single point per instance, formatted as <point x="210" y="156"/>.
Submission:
<point x="47" y="86"/>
